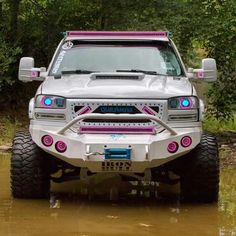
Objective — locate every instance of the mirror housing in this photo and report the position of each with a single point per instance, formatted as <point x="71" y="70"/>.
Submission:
<point x="207" y="73"/>
<point x="27" y="71"/>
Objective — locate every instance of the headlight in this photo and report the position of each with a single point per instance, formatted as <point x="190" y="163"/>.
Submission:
<point x="183" y="109"/>
<point x="48" y="101"/>
<point x="183" y="103"/>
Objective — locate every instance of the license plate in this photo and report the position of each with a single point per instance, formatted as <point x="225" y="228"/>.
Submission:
<point x="117" y="165"/>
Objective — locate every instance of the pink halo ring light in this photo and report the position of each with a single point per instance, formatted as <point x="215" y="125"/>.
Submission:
<point x="186" y="141"/>
<point x="47" y="140"/>
<point x="185" y="103"/>
<point x="173" y="147"/>
<point x="60" y="146"/>
<point x="46" y="102"/>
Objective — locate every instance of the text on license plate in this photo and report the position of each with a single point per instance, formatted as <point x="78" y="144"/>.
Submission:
<point x="117" y="165"/>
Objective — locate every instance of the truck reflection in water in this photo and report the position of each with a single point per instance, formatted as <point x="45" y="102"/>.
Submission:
<point x="85" y="208"/>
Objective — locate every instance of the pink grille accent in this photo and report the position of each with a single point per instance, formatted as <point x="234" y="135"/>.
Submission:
<point x="85" y="110"/>
<point x="148" y="111"/>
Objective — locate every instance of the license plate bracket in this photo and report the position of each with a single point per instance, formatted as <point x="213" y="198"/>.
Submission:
<point x="117" y="154"/>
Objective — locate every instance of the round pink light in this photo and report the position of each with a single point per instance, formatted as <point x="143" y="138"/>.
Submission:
<point x="186" y="141"/>
<point x="60" y="146"/>
<point x="173" y="147"/>
<point x="47" y="140"/>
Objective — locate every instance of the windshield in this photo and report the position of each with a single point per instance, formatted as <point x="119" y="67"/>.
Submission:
<point x="155" y="58"/>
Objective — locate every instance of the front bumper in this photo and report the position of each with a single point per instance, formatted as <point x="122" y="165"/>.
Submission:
<point x="88" y="150"/>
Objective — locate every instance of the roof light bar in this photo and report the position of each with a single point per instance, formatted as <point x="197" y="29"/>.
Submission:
<point x="119" y="33"/>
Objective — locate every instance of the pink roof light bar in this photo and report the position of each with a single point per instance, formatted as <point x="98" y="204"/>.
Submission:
<point x="119" y="33"/>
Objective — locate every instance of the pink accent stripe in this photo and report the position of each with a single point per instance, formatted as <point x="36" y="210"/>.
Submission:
<point x="118" y="33"/>
<point x="85" y="110"/>
<point x="116" y="130"/>
<point x="148" y="111"/>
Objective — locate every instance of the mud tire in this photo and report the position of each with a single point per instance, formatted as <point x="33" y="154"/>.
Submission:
<point x="30" y="176"/>
<point x="199" y="175"/>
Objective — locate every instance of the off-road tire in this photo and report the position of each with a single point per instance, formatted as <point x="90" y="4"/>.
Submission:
<point x="30" y="176"/>
<point x="199" y="173"/>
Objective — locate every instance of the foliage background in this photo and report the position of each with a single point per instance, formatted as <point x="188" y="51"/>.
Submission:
<point x="201" y="28"/>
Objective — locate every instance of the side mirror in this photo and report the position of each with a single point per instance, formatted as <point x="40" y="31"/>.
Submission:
<point x="27" y="71"/>
<point x="208" y="72"/>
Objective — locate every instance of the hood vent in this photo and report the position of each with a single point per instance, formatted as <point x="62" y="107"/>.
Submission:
<point x="118" y="75"/>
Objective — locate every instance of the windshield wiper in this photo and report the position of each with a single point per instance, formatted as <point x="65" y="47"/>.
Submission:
<point x="140" y="71"/>
<point x="71" y="72"/>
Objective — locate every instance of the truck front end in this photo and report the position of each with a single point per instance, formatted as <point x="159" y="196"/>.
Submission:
<point x="119" y="103"/>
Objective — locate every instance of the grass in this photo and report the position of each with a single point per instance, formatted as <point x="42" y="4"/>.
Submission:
<point x="8" y="129"/>
<point x="215" y="126"/>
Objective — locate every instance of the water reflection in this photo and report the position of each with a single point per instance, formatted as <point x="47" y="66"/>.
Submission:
<point x="227" y="203"/>
<point x="77" y="215"/>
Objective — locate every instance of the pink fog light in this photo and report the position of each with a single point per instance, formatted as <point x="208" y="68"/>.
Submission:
<point x="60" y="146"/>
<point x="47" y="140"/>
<point x="186" y="141"/>
<point x="172" y="147"/>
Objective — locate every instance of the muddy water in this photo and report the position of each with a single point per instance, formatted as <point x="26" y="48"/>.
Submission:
<point x="75" y="214"/>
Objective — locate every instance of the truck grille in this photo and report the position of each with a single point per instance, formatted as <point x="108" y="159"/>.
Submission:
<point x="79" y="107"/>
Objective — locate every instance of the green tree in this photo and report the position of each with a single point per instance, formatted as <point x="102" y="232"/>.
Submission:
<point x="220" y="44"/>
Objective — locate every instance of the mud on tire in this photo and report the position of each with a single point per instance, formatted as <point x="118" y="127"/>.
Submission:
<point x="199" y="172"/>
<point x="30" y="176"/>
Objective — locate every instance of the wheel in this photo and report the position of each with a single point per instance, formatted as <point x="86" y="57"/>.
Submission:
<point x="199" y="172"/>
<point x="30" y="172"/>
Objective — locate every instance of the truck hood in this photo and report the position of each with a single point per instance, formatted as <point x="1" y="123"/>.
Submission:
<point x="150" y="86"/>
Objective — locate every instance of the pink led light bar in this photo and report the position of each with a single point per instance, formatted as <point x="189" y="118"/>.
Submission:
<point x="116" y="130"/>
<point x="119" y="33"/>
<point x="148" y="111"/>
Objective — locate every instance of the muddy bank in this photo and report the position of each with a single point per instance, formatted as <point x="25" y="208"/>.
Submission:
<point x="226" y="137"/>
<point x="227" y="155"/>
